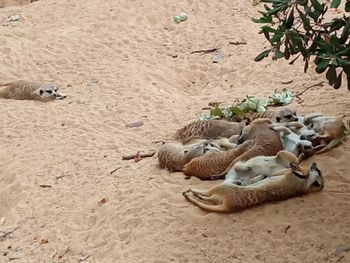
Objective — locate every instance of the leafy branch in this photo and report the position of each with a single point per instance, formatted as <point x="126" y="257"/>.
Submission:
<point x="299" y="28"/>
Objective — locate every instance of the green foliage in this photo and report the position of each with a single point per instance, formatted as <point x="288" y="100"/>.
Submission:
<point x="239" y="109"/>
<point x="298" y="28"/>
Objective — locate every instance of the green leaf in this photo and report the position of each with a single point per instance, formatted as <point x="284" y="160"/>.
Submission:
<point x="278" y="54"/>
<point x="216" y="112"/>
<point x="347" y="6"/>
<point x="290" y="19"/>
<point x="337" y="82"/>
<point x="342" y="62"/>
<point x="306" y="65"/>
<point x="302" y="2"/>
<point x="335" y="3"/>
<point x="344" y="52"/>
<point x="264" y="20"/>
<point x="262" y="104"/>
<point x="316" y="5"/>
<point x="262" y="55"/>
<point x="281" y="98"/>
<point x="237" y="111"/>
<point x="322" y="65"/>
<point x="305" y="20"/>
<point x="345" y="34"/>
<point x="331" y="75"/>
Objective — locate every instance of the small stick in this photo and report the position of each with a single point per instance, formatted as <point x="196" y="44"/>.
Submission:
<point x="238" y="43"/>
<point x="159" y="141"/>
<point x="45" y="185"/>
<point x="138" y="155"/>
<point x="114" y="170"/>
<point x="6" y="233"/>
<point x="307" y="88"/>
<point x="65" y="252"/>
<point x="205" y="51"/>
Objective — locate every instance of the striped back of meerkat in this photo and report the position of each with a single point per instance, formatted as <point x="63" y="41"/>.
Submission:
<point x="268" y="114"/>
<point x="192" y="130"/>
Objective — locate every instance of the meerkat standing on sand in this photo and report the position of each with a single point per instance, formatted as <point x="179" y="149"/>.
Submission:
<point x="227" y="197"/>
<point x="25" y="90"/>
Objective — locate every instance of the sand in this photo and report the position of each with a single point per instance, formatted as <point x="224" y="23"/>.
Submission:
<point x="121" y="61"/>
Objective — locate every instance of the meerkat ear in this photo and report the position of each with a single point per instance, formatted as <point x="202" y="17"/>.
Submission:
<point x="247" y="121"/>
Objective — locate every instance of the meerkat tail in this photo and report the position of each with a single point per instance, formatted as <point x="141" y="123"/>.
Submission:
<point x="208" y="207"/>
<point x="333" y="143"/>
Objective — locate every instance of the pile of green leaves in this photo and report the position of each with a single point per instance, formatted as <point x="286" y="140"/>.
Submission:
<point x="298" y="27"/>
<point x="240" y="108"/>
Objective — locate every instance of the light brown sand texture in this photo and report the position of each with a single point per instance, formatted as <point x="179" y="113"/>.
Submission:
<point x="120" y="61"/>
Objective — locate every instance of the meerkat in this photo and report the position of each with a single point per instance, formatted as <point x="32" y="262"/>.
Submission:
<point x="25" y="90"/>
<point x="260" y="167"/>
<point x="267" y="142"/>
<point x="208" y="129"/>
<point x="293" y="143"/>
<point x="205" y="166"/>
<point x="285" y="115"/>
<point x="333" y="131"/>
<point x="227" y="197"/>
<point x="174" y="156"/>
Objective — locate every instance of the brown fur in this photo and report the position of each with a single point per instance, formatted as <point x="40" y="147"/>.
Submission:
<point x="212" y="163"/>
<point x="267" y="142"/>
<point x="26" y="90"/>
<point x="333" y="131"/>
<point x="284" y="115"/>
<point x="174" y="156"/>
<point x="208" y="129"/>
<point x="227" y="197"/>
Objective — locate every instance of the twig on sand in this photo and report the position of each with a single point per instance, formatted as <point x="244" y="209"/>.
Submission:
<point x="158" y="141"/>
<point x="45" y="185"/>
<point x="307" y="88"/>
<point x="286" y="228"/>
<point x="4" y="234"/>
<point x="238" y="42"/>
<point x="83" y="258"/>
<point x="65" y="252"/>
<point x="114" y="170"/>
<point x="205" y="51"/>
<point x="138" y="156"/>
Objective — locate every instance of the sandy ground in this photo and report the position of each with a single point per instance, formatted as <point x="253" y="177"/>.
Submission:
<point x="121" y="61"/>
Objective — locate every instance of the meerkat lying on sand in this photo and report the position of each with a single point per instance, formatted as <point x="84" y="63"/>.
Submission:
<point x="174" y="156"/>
<point x="267" y="142"/>
<point x="25" y="90"/>
<point x="332" y="131"/>
<point x="285" y="115"/>
<point x="208" y="129"/>
<point x="228" y="197"/>
<point x="205" y="166"/>
<point x="292" y="142"/>
<point x="260" y="167"/>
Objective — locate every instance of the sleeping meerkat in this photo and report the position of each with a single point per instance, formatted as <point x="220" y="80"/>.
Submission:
<point x="260" y="167"/>
<point x="26" y="90"/>
<point x="333" y="131"/>
<point x="293" y="143"/>
<point x="208" y="129"/>
<point x="285" y="115"/>
<point x="174" y="156"/>
<point x="267" y="142"/>
<point x="205" y="166"/>
<point x="227" y="197"/>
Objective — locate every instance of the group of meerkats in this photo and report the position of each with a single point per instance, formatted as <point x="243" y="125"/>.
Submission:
<point x="258" y="158"/>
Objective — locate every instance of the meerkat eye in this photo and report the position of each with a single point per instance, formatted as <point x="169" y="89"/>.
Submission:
<point x="289" y="116"/>
<point x="278" y="119"/>
<point x="49" y="91"/>
<point x="41" y="92"/>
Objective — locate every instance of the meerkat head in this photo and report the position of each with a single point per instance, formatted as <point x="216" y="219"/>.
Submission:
<point x="49" y="92"/>
<point x="286" y="115"/>
<point x="312" y="180"/>
<point x="305" y="147"/>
